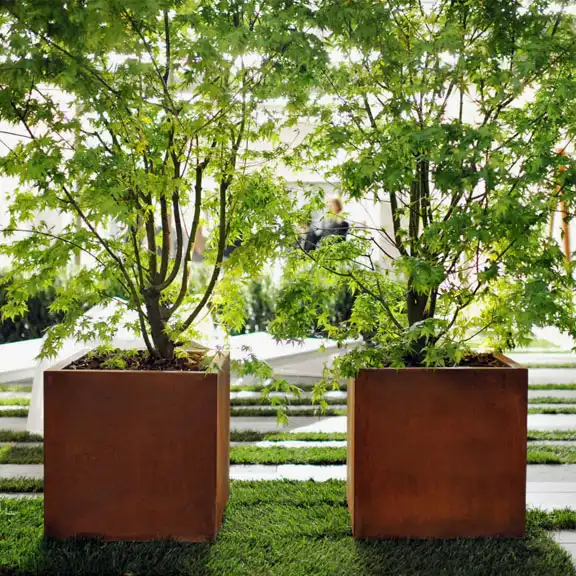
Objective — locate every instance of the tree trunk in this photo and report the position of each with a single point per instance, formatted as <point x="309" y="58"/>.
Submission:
<point x="420" y="307"/>
<point x="157" y="317"/>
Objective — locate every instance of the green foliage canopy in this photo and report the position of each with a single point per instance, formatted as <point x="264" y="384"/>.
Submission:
<point x="150" y="115"/>
<point x="450" y="115"/>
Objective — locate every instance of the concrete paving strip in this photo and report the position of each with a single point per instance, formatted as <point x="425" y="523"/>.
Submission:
<point x="566" y="443"/>
<point x="312" y="443"/>
<point x="270" y="423"/>
<point x="567" y="539"/>
<point x="552" y="375"/>
<point x="548" y="486"/>
<point x="339" y="394"/>
<point x="7" y="395"/>
<point x="550" y="405"/>
<point x="552" y="394"/>
<point x="294" y="444"/>
<point x="554" y="473"/>
<point x="20" y="495"/>
<point x="547" y="422"/>
<point x="289" y="407"/>
<point x="16" y="424"/>
<point x="21" y="470"/>
<point x="21" y="444"/>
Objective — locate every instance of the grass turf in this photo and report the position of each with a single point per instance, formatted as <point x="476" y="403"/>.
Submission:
<point x="21" y="485"/>
<point x="15" y="388"/>
<point x="13" y="436"/>
<point x="552" y="386"/>
<point x="14" y="413"/>
<point x="21" y="454"/>
<point x="281" y="529"/>
<point x="14" y="402"/>
<point x="235" y="436"/>
<point x="551" y="400"/>
<point x="275" y="455"/>
<point x="257" y="436"/>
<point x="557" y="435"/>
<point x="553" y="410"/>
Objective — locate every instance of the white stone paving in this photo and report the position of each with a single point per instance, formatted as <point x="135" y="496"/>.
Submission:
<point x="566" y="539"/>
<point x="550" y="405"/>
<point x="552" y="375"/>
<point x="294" y="444"/>
<point x="270" y="423"/>
<point x="18" y="424"/>
<point x="10" y="395"/>
<point x="552" y="394"/>
<point x="339" y="394"/>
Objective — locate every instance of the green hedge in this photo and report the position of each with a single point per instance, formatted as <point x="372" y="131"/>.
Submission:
<point x="34" y="323"/>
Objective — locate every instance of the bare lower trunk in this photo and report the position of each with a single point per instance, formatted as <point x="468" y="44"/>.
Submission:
<point x="157" y="317"/>
<point x="420" y="307"/>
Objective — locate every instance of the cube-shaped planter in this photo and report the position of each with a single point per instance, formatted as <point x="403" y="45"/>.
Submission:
<point x="438" y="453"/>
<point x="136" y="455"/>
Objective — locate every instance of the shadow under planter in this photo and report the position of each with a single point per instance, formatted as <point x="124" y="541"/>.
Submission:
<point x="136" y="455"/>
<point x="438" y="453"/>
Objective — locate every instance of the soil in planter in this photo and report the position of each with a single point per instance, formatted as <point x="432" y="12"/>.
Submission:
<point x="138" y="360"/>
<point x="476" y="360"/>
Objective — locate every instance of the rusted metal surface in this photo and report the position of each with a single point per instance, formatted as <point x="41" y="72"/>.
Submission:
<point x="136" y="455"/>
<point x="438" y="453"/>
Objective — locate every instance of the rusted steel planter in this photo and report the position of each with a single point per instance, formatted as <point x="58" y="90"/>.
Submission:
<point x="438" y="453"/>
<point x="136" y="455"/>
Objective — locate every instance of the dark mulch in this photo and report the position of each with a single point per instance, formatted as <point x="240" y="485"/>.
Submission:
<point x="137" y="360"/>
<point x="474" y="360"/>
<point x="484" y="360"/>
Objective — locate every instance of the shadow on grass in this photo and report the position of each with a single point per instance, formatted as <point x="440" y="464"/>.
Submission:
<point x="535" y="555"/>
<point x="98" y="558"/>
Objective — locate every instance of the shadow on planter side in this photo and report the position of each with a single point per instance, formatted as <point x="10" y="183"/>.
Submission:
<point x="136" y="455"/>
<point x="438" y="453"/>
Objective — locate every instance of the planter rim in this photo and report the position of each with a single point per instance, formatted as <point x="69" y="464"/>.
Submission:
<point x="510" y="365"/>
<point x="221" y="358"/>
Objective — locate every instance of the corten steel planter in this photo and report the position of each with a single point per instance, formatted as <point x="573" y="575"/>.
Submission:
<point x="136" y="455"/>
<point x="438" y="453"/>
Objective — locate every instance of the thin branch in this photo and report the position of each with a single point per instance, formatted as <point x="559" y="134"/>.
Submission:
<point x="167" y="46"/>
<point x="56" y="237"/>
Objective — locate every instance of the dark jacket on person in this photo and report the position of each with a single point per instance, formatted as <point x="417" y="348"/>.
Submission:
<point x="335" y="228"/>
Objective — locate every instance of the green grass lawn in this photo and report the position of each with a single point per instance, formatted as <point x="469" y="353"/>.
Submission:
<point x="256" y="436"/>
<point x="14" y="413"/>
<point x="558" y="435"/>
<point x="281" y="529"/>
<point x="552" y="386"/>
<point x="552" y="410"/>
<point x="274" y="455"/>
<point x="14" y="436"/>
<point x="15" y="388"/>
<point x="551" y="400"/>
<point x="21" y="485"/>
<point x="14" y="402"/>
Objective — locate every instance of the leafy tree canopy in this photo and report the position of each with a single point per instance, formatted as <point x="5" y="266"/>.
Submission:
<point x="149" y="114"/>
<point x="449" y="113"/>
